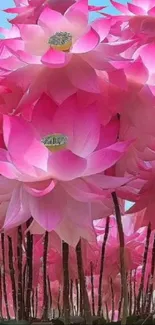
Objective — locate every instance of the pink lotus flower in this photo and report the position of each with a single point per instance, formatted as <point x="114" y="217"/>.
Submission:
<point x="74" y="174"/>
<point x="59" y="40"/>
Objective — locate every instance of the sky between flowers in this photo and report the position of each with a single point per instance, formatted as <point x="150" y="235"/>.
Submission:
<point x="10" y="3"/>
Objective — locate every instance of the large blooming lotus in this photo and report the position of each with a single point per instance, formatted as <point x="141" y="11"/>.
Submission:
<point x="58" y="40"/>
<point x="58" y="161"/>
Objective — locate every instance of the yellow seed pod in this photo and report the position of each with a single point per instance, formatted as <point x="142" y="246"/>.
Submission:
<point x="61" y="41"/>
<point x="55" y="142"/>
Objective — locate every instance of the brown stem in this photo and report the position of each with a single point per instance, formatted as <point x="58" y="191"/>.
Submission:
<point x="29" y="262"/>
<point x="107" y="312"/>
<point x="92" y="288"/>
<point x="36" y="302"/>
<point x="77" y="295"/>
<point x="122" y="259"/>
<point x="141" y="287"/>
<point x="49" y="292"/>
<point x="86" y="304"/>
<point x="134" y="292"/>
<point x="24" y="286"/>
<point x="58" y="304"/>
<point x="20" y="275"/>
<point x="150" y="293"/>
<point x="112" y="301"/>
<point x="120" y="305"/>
<point x="102" y="266"/>
<point x="32" y="304"/>
<point x="3" y="276"/>
<point x="71" y="297"/>
<point x="146" y="296"/>
<point x="45" y="293"/>
<point x="12" y="276"/>
<point x="66" y="307"/>
<point x="1" y="309"/>
<point x="130" y="293"/>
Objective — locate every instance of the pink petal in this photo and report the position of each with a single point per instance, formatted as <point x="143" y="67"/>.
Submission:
<point x="146" y="4"/>
<point x="71" y="232"/>
<point x="60" y="86"/>
<point x="82" y="75"/>
<point x="120" y="7"/>
<point x="64" y="119"/>
<point x="43" y="112"/>
<point x="80" y="125"/>
<point x="55" y="59"/>
<point x="86" y="132"/>
<point x="48" y="210"/>
<point x="147" y="52"/>
<point x="77" y="14"/>
<point x="65" y="165"/>
<point x="35" y="228"/>
<point x="83" y="191"/>
<point x="7" y="186"/>
<point x="35" y="39"/>
<point x="7" y="168"/>
<point x="80" y="5"/>
<point x="103" y="159"/>
<point x="50" y="18"/>
<point x="16" y="47"/>
<point x="135" y="9"/>
<point x="137" y="78"/>
<point x="96" y="8"/>
<point x="31" y="32"/>
<point x="113" y="48"/>
<point x="151" y="12"/>
<point x="86" y="42"/>
<point x="108" y="182"/>
<point x="23" y="146"/>
<point x="148" y="26"/>
<point x="17" y="212"/>
<point x="35" y="190"/>
<point x="109" y="134"/>
<point x="102" y="27"/>
<point x="97" y="60"/>
<point x="139" y="205"/>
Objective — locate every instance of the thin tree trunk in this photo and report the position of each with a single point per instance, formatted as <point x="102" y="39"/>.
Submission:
<point x="66" y="307"/>
<point x="102" y="266"/>
<point x="45" y="298"/>
<point x="112" y="301"/>
<point x="50" y="293"/>
<point x="92" y="288"/>
<point x="77" y="295"/>
<point x="29" y="262"/>
<point x="122" y="259"/>
<point x="12" y="276"/>
<point x="150" y="293"/>
<point x="134" y="292"/>
<point x="86" y="304"/>
<point x="36" y="302"/>
<point x="1" y="309"/>
<point x="141" y="287"/>
<point x="131" y="294"/>
<point x="120" y="305"/>
<point x="20" y="275"/>
<point x="71" y="297"/>
<point x="3" y="276"/>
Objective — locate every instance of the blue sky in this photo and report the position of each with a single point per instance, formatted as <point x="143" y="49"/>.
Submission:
<point x="10" y="3"/>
